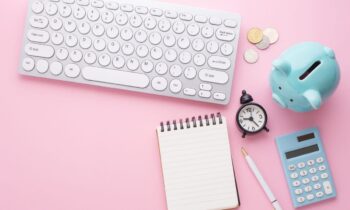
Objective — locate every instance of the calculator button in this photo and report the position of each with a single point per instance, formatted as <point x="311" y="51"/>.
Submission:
<point x="296" y="183"/>
<point x="322" y="167"/>
<point x="327" y="187"/>
<point x="298" y="191"/>
<point x="292" y="167"/>
<point x="324" y="176"/>
<point x="319" y="160"/>
<point x="314" y="178"/>
<point x="319" y="194"/>
<point x="301" y="165"/>
<point x="308" y="188"/>
<point x="310" y="162"/>
<point x="310" y="196"/>
<point x="317" y="186"/>
<point x="313" y="170"/>
<point x="294" y="175"/>
<point x="300" y="199"/>
<point x="303" y="173"/>
<point x="305" y="180"/>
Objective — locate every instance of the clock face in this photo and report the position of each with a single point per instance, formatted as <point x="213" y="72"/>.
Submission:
<point x="252" y="118"/>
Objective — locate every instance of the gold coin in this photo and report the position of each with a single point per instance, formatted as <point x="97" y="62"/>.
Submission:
<point x="255" y="35"/>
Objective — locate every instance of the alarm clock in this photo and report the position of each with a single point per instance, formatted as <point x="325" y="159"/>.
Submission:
<point x="251" y="118"/>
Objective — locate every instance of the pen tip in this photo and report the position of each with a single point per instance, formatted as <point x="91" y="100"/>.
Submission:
<point x="245" y="153"/>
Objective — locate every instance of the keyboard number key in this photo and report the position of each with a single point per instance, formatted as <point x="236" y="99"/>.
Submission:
<point x="327" y="187"/>
<point x="301" y="165"/>
<point x="319" y="160"/>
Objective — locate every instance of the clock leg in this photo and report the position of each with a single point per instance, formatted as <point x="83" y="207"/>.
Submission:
<point x="244" y="133"/>
<point x="266" y="129"/>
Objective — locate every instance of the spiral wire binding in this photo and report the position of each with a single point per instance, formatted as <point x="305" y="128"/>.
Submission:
<point x="206" y="122"/>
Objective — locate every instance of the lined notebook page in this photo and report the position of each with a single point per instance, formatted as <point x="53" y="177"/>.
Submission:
<point x="197" y="167"/>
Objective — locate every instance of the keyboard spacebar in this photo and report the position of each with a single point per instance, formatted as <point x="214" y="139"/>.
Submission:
<point x="115" y="77"/>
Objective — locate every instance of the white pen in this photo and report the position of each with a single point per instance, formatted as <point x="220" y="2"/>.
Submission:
<point x="261" y="180"/>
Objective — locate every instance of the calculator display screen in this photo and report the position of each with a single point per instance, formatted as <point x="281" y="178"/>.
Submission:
<point x="302" y="151"/>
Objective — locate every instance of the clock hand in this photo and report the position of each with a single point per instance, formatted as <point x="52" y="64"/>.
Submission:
<point x="255" y="123"/>
<point x="246" y="118"/>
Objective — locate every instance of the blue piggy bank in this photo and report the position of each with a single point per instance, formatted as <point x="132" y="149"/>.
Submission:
<point x="304" y="76"/>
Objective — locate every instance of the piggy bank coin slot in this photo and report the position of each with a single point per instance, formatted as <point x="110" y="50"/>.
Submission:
<point x="311" y="69"/>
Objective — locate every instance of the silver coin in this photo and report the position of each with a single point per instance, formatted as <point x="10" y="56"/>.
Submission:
<point x="272" y="34"/>
<point x="264" y="43"/>
<point x="251" y="56"/>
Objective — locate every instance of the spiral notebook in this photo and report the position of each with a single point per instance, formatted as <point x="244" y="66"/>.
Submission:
<point x="197" y="165"/>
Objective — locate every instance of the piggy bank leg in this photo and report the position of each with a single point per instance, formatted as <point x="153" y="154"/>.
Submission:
<point x="314" y="98"/>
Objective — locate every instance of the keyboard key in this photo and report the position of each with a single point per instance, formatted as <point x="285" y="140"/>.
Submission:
<point x="112" y="5"/>
<point x="198" y="44"/>
<point x="212" y="47"/>
<point x="322" y="168"/>
<point x="310" y="197"/>
<point x="84" y="28"/>
<point x="141" y="36"/>
<point x="169" y="40"/>
<point x="320" y="160"/>
<point x="200" y="19"/>
<point x="179" y="27"/>
<point x="37" y="7"/>
<point x="156" y="12"/>
<point x="142" y="51"/>
<point x="219" y="96"/>
<point x="189" y="91"/>
<point x="155" y="38"/>
<point x="301" y="199"/>
<point x="308" y="189"/>
<point x="121" y="19"/>
<point x="76" y="55"/>
<point x="303" y="173"/>
<point x="314" y="178"/>
<point x="310" y="162"/>
<point x="124" y="78"/>
<point x="69" y="26"/>
<point x="38" y="22"/>
<point x="183" y="43"/>
<point x="319" y="194"/>
<point x="51" y="8"/>
<point x="28" y="64"/>
<point x="62" y="53"/>
<point x="313" y="170"/>
<point x="226" y="49"/>
<point x="186" y="16"/>
<point x="90" y="58"/>
<point x="147" y="66"/>
<point x="230" y="23"/>
<point x="156" y="53"/>
<point x="327" y="187"/>
<point x="99" y="44"/>
<point x="126" y="34"/>
<point x="56" y="68"/>
<point x="175" y="86"/>
<point x="170" y="55"/>
<point x="104" y="60"/>
<point x="141" y="10"/>
<point x="56" y="23"/>
<point x="190" y="72"/>
<point x="305" y="181"/>
<point x="301" y="165"/>
<point x="108" y="17"/>
<point x="218" y="77"/>
<point x="128" y="49"/>
<point x="38" y="36"/>
<point x="72" y="71"/>
<point x="39" y="50"/>
<point x="150" y="23"/>
<point x="118" y="62"/>
<point x="175" y="70"/>
<point x="199" y="59"/>
<point x="170" y="14"/>
<point x="193" y="29"/>
<point x="294" y="175"/>
<point x="83" y="2"/>
<point x="85" y="42"/>
<point x="185" y="57"/>
<point x="218" y="62"/>
<point x="159" y="83"/>
<point x="79" y="12"/>
<point x="161" y="68"/>
<point x="317" y="186"/>
<point x="291" y="167"/>
<point x="298" y="191"/>
<point x="97" y="3"/>
<point x="207" y="87"/>
<point x="112" y="32"/>
<point x="204" y="94"/>
<point x="215" y="21"/>
<point x="127" y="7"/>
<point x="207" y="31"/>
<point x="132" y="64"/>
<point x="225" y="34"/>
<point x="324" y="176"/>
<point x="64" y="10"/>
<point x="296" y="183"/>
<point x="135" y="21"/>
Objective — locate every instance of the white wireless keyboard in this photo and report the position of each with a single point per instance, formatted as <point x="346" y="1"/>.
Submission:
<point x="144" y="46"/>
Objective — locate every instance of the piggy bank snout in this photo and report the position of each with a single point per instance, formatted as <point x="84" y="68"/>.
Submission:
<point x="279" y="100"/>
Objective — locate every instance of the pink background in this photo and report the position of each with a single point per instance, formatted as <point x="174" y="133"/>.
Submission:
<point x="70" y="146"/>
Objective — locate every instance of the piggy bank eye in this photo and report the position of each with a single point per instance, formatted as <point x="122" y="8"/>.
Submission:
<point x="279" y="87"/>
<point x="309" y="70"/>
<point x="291" y="100"/>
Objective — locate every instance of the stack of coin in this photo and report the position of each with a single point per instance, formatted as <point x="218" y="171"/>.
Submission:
<point x="262" y="39"/>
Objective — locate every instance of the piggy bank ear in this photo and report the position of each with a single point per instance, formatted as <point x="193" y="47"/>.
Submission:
<point x="329" y="52"/>
<point x="282" y="66"/>
<point x="314" y="98"/>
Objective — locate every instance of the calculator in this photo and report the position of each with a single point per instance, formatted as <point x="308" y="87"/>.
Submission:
<point x="306" y="167"/>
